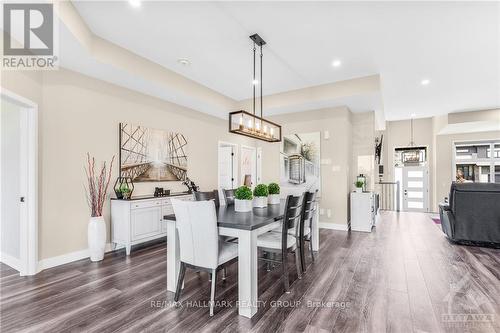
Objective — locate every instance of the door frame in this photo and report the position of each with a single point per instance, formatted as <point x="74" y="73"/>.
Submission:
<point x="235" y="166"/>
<point x="29" y="183"/>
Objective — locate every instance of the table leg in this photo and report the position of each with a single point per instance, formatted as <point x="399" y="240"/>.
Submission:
<point x="247" y="273"/>
<point x="173" y="260"/>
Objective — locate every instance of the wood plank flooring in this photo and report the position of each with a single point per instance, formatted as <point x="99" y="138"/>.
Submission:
<point x="403" y="277"/>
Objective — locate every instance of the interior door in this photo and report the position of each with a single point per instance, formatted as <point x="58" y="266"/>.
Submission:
<point x="249" y="164"/>
<point x="226" y="167"/>
<point x="415" y="189"/>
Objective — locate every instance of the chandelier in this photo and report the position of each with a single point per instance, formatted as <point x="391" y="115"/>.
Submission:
<point x="251" y="124"/>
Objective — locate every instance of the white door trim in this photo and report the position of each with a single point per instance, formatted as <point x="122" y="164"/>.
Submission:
<point x="29" y="183"/>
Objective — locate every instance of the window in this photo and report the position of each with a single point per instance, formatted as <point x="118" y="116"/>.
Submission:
<point x="479" y="162"/>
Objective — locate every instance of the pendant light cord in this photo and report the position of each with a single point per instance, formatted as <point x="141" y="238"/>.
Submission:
<point x="253" y="82"/>
<point x="261" y="99"/>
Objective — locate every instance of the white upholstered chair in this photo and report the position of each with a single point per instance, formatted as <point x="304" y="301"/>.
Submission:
<point x="199" y="243"/>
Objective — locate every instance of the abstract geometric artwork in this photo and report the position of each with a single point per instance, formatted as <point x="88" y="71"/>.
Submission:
<point x="152" y="155"/>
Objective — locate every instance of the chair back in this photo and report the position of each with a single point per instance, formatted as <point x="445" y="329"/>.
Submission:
<point x="291" y="218"/>
<point x="196" y="224"/>
<point x="229" y="197"/>
<point x="211" y="195"/>
<point x="308" y="208"/>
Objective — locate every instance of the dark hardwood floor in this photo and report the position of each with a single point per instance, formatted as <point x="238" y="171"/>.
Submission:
<point x="403" y="277"/>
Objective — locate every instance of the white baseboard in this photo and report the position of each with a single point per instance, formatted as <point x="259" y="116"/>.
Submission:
<point x="333" y="226"/>
<point x="70" y="257"/>
<point x="11" y="261"/>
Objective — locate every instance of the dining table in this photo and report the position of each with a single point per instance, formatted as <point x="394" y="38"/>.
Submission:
<point x="246" y="227"/>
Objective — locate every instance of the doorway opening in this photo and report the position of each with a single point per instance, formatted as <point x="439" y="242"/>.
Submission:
<point x="227" y="166"/>
<point x="411" y="171"/>
<point x="19" y="183"/>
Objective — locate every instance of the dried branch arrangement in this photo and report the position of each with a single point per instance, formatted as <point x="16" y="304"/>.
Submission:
<point x="97" y="187"/>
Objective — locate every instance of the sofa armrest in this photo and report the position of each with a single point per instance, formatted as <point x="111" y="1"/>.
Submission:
<point x="444" y="206"/>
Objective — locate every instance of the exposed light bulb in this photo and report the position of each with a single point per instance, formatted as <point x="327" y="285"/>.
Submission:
<point x="265" y="129"/>
<point x="255" y="82"/>
<point x="272" y="131"/>
<point x="250" y="123"/>
<point x="425" y="82"/>
<point x="241" y="120"/>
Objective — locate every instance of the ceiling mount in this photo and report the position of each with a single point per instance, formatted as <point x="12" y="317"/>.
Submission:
<point x="258" y="40"/>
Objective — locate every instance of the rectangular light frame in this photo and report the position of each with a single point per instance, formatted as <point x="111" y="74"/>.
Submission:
<point x="260" y="128"/>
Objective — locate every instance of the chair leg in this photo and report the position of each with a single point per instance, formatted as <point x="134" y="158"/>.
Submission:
<point x="311" y="249"/>
<point x="298" y="263"/>
<point x="302" y="255"/>
<point x="180" y="280"/>
<point x="212" y="292"/>
<point x="284" y="265"/>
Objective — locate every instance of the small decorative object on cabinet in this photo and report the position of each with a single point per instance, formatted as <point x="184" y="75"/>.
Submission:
<point x="260" y="194"/>
<point x="243" y="199"/>
<point x="362" y="178"/>
<point x="364" y="211"/>
<point x="124" y="186"/>
<point x="359" y="186"/>
<point x="274" y="194"/>
<point x="160" y="192"/>
<point x="97" y="192"/>
<point x="137" y="220"/>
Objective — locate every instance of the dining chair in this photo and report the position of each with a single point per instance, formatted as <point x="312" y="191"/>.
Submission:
<point x="199" y="244"/>
<point x="229" y="197"/>
<point x="210" y="195"/>
<point x="305" y="227"/>
<point x="283" y="242"/>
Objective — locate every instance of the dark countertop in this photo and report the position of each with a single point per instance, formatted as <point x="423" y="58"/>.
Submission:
<point x="227" y="217"/>
<point x="143" y="197"/>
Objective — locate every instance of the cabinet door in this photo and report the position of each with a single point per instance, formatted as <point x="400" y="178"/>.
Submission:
<point x="146" y="222"/>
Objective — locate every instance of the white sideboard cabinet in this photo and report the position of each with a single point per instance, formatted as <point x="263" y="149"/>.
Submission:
<point x="140" y="219"/>
<point x="364" y="211"/>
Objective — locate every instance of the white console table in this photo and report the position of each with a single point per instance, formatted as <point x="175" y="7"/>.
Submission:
<point x="140" y="219"/>
<point x="363" y="211"/>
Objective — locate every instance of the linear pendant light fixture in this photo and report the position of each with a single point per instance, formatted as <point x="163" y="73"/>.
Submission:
<point x="250" y="124"/>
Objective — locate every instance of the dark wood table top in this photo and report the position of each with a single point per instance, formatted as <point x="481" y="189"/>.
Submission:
<point x="227" y="217"/>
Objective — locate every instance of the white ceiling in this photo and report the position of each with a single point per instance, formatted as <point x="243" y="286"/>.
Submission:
<point x="453" y="44"/>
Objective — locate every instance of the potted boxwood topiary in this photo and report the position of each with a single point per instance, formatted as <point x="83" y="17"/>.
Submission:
<point x="274" y="194"/>
<point x="260" y="194"/>
<point x="243" y="199"/>
<point x="359" y="186"/>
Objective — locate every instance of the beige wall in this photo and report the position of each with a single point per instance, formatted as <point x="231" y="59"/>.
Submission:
<point x="485" y="115"/>
<point x="335" y="154"/>
<point x="79" y="114"/>
<point x="444" y="159"/>
<point x="363" y="147"/>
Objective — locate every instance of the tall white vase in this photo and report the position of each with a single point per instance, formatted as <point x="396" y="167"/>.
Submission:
<point x="96" y="236"/>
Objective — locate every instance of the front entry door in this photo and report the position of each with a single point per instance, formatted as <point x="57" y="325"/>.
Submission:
<point x="415" y="189"/>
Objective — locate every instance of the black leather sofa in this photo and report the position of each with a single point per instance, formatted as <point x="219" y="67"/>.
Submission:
<point x="472" y="215"/>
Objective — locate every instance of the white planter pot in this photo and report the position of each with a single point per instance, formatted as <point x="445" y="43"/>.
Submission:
<point x="260" y="202"/>
<point x="96" y="236"/>
<point x="242" y="205"/>
<point x="359" y="190"/>
<point x="273" y="199"/>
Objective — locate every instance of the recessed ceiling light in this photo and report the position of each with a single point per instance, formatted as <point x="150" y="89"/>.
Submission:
<point x="425" y="82"/>
<point x="413" y="115"/>
<point x="336" y="63"/>
<point x="184" y="61"/>
<point x="135" y="3"/>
